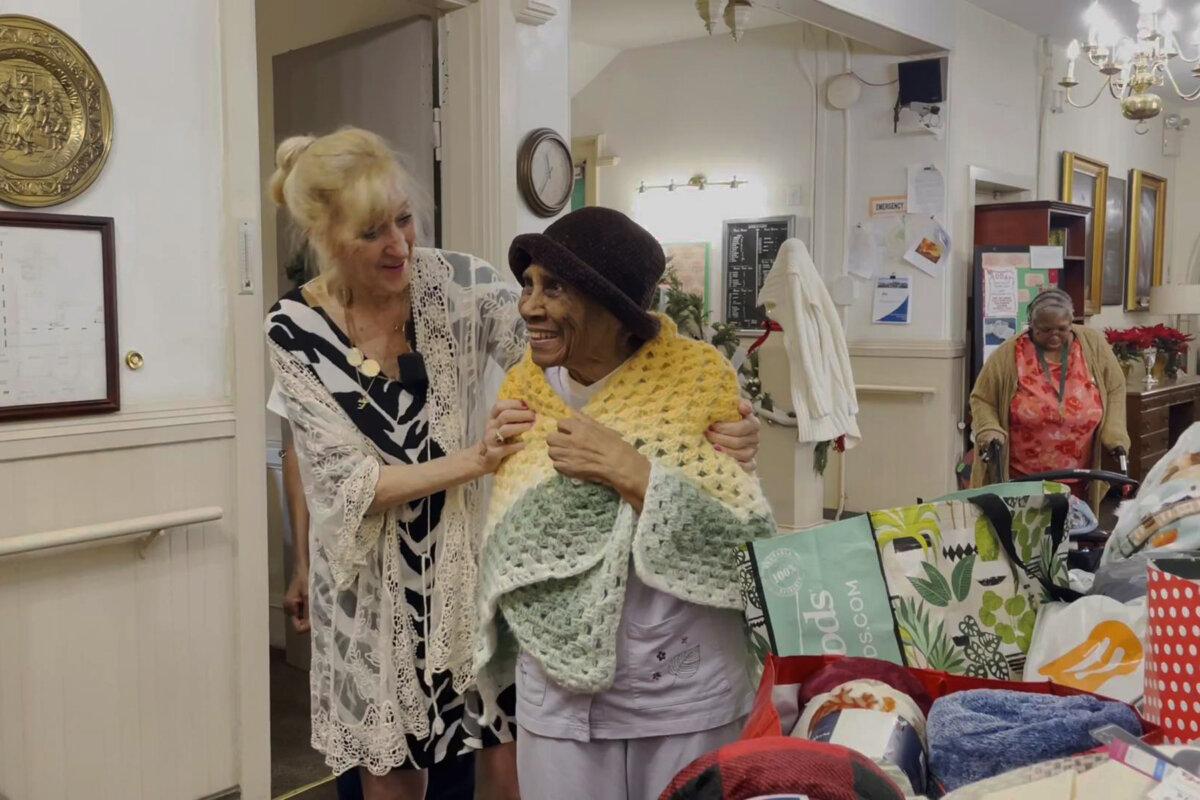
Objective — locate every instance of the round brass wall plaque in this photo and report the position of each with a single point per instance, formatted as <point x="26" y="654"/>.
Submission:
<point x="56" y="119"/>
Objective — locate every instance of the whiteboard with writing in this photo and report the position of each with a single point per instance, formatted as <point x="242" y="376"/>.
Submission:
<point x="53" y="326"/>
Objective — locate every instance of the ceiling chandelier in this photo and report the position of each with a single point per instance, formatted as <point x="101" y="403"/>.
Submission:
<point x="1133" y="65"/>
<point x="735" y="13"/>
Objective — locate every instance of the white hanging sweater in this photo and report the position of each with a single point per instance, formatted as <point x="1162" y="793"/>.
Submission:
<point x="823" y="395"/>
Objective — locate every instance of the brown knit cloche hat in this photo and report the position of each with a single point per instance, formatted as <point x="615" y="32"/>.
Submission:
<point x="605" y="255"/>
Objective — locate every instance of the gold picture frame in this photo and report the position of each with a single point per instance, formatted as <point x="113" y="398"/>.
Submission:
<point x="1147" y="236"/>
<point x="1085" y="183"/>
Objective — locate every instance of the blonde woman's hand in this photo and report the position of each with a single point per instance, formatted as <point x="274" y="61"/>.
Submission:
<point x="295" y="601"/>
<point x="739" y="439"/>
<point x="508" y="420"/>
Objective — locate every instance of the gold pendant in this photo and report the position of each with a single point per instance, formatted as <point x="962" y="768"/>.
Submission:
<point x="370" y="368"/>
<point x="362" y="402"/>
<point x="354" y="357"/>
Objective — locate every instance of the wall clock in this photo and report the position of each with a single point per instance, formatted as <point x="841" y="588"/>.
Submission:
<point x="545" y="174"/>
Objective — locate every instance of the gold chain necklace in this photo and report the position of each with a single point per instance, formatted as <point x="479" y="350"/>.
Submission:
<point x="363" y="366"/>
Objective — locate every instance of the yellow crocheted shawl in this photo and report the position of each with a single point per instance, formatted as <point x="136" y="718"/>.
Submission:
<point x="662" y="401"/>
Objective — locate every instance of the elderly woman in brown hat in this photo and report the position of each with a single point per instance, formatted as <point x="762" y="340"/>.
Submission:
<point x="608" y="560"/>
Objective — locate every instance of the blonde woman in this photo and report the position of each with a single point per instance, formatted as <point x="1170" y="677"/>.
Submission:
<point x="379" y="366"/>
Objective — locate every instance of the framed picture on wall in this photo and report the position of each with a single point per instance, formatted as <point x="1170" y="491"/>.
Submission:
<point x="1085" y="183"/>
<point x="58" y="316"/>
<point x="1112" y="291"/>
<point x="691" y="264"/>
<point x="1147" y="237"/>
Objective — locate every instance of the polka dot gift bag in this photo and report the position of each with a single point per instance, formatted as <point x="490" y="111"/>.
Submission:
<point x="1173" y="648"/>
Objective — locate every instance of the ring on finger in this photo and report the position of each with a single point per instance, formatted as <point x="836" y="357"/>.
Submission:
<point x="499" y="437"/>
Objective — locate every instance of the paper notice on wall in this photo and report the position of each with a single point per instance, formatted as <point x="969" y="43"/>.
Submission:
<point x="893" y="301"/>
<point x="926" y="190"/>
<point x="1000" y="292"/>
<point x="890" y="204"/>
<point x="876" y="245"/>
<point x="1046" y="257"/>
<point x="866" y="256"/>
<point x="1014" y="260"/>
<point x="928" y="246"/>
<point x="988" y="349"/>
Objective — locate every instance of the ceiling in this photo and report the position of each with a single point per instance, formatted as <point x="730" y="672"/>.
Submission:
<point x="626" y="24"/>
<point x="1062" y="21"/>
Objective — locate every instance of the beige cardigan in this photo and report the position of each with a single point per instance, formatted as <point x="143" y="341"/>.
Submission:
<point x="997" y="385"/>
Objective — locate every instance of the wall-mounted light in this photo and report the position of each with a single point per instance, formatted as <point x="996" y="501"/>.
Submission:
<point x="695" y="182"/>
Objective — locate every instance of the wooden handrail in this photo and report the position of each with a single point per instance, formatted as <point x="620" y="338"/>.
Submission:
<point x="87" y="534"/>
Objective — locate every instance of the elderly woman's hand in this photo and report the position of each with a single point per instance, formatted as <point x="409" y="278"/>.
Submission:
<point x="984" y="439"/>
<point x="584" y="449"/>
<point x="738" y="439"/>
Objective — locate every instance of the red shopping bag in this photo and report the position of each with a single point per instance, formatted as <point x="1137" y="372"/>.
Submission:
<point x="1173" y="648"/>
<point x="776" y="711"/>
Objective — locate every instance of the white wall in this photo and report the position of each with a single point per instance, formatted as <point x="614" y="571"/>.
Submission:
<point x="747" y="108"/>
<point x="506" y="79"/>
<point x="160" y="184"/>
<point x="1184" y="196"/>
<point x="711" y="106"/>
<point x="122" y="676"/>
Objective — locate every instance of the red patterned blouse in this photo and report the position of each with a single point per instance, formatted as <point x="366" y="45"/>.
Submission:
<point x="1045" y="434"/>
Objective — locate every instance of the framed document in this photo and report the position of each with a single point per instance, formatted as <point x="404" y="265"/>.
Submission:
<point x="58" y="316"/>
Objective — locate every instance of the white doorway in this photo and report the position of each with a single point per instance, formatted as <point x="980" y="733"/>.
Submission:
<point x="322" y="67"/>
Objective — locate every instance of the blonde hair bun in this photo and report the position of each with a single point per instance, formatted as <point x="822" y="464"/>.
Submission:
<point x="338" y="185"/>
<point x="289" y="152"/>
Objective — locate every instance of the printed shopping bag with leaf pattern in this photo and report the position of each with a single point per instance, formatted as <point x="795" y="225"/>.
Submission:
<point x="966" y="577"/>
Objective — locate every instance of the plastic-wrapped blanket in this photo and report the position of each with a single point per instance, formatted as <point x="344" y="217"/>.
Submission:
<point x="1165" y="515"/>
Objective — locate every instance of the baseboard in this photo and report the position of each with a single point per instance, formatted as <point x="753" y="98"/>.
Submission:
<point x="232" y="793"/>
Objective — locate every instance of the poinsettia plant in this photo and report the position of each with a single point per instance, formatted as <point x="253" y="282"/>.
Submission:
<point x="1167" y="339"/>
<point x="1170" y="343"/>
<point x="1129" y="343"/>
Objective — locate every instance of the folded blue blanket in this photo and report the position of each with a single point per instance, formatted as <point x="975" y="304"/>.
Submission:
<point x="984" y="732"/>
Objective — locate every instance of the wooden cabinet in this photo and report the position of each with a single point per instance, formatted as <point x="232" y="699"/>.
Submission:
<point x="1156" y="417"/>
<point x="1029" y="224"/>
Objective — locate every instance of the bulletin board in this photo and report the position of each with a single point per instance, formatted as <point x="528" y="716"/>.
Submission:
<point x="749" y="247"/>
<point x="1003" y="286"/>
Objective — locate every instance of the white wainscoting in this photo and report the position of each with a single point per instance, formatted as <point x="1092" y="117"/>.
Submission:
<point x="118" y="673"/>
<point x="910" y="401"/>
<point x="910" y="434"/>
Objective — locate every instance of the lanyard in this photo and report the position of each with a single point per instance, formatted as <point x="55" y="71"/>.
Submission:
<point x="1064" y="367"/>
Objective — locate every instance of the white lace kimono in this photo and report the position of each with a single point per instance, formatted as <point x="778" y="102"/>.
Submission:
<point x="369" y="705"/>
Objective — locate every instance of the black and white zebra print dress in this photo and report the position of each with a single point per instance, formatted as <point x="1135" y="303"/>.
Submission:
<point x="393" y="415"/>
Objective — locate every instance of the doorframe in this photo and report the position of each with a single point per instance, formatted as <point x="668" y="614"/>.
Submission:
<point x="238" y="66"/>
